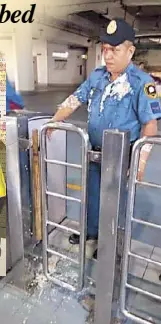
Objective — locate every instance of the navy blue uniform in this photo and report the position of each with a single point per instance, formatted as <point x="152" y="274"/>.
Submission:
<point x="127" y="103"/>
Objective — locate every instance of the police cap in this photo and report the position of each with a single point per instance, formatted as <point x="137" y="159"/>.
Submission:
<point x="117" y="32"/>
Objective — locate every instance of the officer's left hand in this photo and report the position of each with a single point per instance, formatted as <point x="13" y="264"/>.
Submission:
<point x="141" y="170"/>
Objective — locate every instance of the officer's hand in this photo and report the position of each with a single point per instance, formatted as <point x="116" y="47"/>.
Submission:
<point x="49" y="130"/>
<point x="49" y="133"/>
<point x="141" y="170"/>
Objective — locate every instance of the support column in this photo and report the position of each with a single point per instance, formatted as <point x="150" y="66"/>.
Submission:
<point x="22" y="43"/>
<point x="94" y="58"/>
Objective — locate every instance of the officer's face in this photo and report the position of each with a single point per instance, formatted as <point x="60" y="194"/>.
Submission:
<point x="118" y="57"/>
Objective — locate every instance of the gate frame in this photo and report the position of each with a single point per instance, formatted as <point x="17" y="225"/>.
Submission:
<point x="129" y="219"/>
<point x="44" y="192"/>
<point x="114" y="168"/>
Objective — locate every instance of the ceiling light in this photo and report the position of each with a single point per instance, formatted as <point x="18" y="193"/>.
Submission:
<point x="60" y="55"/>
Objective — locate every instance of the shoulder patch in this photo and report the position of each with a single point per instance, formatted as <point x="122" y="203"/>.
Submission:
<point x="150" y="90"/>
<point x="155" y="107"/>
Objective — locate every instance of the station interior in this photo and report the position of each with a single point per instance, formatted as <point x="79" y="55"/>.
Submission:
<point x="46" y="61"/>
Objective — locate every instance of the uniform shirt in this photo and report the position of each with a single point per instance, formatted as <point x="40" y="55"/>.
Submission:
<point x="12" y="97"/>
<point x="125" y="104"/>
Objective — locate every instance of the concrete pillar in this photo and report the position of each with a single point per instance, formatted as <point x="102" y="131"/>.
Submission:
<point x="22" y="46"/>
<point x="98" y="55"/>
<point x="40" y="52"/>
<point x="94" y="58"/>
<point x="102" y="61"/>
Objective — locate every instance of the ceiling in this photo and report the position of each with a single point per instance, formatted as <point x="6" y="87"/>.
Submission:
<point x="145" y="12"/>
<point x="89" y="17"/>
<point x="146" y="19"/>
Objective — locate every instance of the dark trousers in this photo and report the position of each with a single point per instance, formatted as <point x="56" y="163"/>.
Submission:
<point x="94" y="186"/>
<point x="94" y="181"/>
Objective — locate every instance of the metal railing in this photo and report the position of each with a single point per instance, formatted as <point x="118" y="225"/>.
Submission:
<point x="129" y="221"/>
<point x="45" y="193"/>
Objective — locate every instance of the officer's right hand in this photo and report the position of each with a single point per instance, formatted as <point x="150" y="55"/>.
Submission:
<point x="49" y="130"/>
<point x="49" y="133"/>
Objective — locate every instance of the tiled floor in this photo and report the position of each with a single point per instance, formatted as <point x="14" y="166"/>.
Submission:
<point x="49" y="305"/>
<point x="60" y="241"/>
<point x="48" y="101"/>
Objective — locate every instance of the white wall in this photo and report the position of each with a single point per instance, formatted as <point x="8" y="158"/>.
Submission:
<point x="39" y="47"/>
<point x="45" y="63"/>
<point x="6" y="47"/>
<point x="69" y="75"/>
<point x="152" y="57"/>
<point x="40" y="51"/>
<point x="91" y="60"/>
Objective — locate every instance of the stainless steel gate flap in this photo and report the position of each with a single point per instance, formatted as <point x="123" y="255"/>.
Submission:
<point x="14" y="214"/>
<point x="46" y="193"/>
<point x="130" y="219"/>
<point x="115" y="159"/>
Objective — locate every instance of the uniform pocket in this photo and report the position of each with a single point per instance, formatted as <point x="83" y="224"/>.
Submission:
<point x="126" y="101"/>
<point x="126" y="108"/>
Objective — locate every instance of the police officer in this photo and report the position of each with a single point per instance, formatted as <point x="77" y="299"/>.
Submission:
<point x="119" y="96"/>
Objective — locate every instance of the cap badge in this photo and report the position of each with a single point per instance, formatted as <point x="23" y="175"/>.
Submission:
<point x="112" y="27"/>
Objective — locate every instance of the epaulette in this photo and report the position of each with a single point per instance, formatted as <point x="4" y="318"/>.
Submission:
<point x="141" y="75"/>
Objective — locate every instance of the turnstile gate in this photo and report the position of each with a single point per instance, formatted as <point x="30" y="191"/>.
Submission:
<point x="130" y="219"/>
<point x="46" y="193"/>
<point x="114" y="166"/>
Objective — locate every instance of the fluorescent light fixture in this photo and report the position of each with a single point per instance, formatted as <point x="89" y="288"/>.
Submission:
<point x="156" y="40"/>
<point x="84" y="57"/>
<point x="60" y="55"/>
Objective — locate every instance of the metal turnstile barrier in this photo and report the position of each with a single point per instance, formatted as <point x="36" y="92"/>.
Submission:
<point x="114" y="168"/>
<point x="128" y="233"/>
<point x="45" y="194"/>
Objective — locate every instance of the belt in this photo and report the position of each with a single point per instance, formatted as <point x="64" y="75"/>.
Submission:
<point x="95" y="154"/>
<point x="94" y="157"/>
<point x="96" y="148"/>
